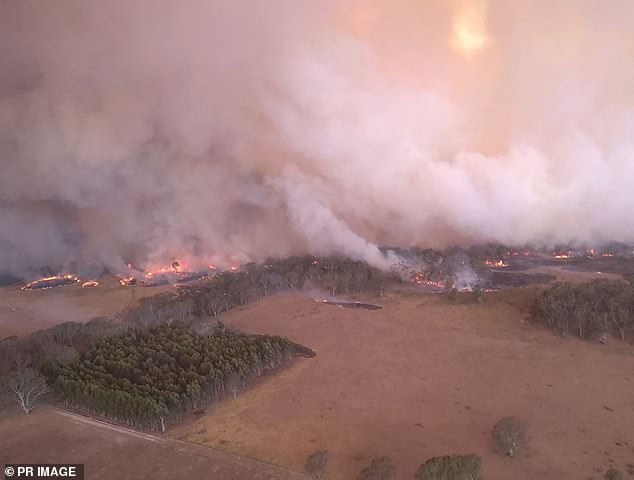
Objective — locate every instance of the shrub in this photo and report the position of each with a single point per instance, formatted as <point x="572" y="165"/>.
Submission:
<point x="451" y="467"/>
<point x="380" y="468"/>
<point x="613" y="474"/>
<point x="510" y="436"/>
<point x="317" y="462"/>
<point x="477" y="294"/>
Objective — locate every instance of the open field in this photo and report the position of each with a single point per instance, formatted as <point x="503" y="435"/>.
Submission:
<point x="51" y="436"/>
<point x="418" y="378"/>
<point x="423" y="377"/>
<point x="23" y="312"/>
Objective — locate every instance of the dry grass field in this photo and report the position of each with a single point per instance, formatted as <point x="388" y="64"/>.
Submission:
<point x="419" y="378"/>
<point x="109" y="452"/>
<point x="423" y="377"/>
<point x="25" y="311"/>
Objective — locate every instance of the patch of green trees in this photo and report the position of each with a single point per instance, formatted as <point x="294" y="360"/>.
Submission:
<point x="143" y="376"/>
<point x="597" y="309"/>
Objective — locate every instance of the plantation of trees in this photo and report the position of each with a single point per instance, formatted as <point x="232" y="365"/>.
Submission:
<point x="144" y="376"/>
<point x="596" y="309"/>
<point x="191" y="305"/>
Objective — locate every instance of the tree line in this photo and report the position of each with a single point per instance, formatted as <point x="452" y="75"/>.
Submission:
<point x="595" y="310"/>
<point x="144" y="377"/>
<point x="230" y="289"/>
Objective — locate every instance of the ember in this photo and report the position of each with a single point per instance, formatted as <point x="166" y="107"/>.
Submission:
<point x="90" y="284"/>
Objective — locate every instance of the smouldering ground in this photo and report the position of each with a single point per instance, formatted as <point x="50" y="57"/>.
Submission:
<point x="423" y="377"/>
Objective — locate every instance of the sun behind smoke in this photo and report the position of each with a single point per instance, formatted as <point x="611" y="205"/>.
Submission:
<point x="469" y="26"/>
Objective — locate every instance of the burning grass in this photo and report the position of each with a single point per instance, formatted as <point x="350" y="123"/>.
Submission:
<point x="175" y="274"/>
<point x="50" y="282"/>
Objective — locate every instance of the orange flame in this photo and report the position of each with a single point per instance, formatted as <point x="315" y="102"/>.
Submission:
<point x="52" y="278"/>
<point x="495" y="263"/>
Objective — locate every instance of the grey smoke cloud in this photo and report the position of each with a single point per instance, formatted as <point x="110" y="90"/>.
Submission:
<point x="217" y="132"/>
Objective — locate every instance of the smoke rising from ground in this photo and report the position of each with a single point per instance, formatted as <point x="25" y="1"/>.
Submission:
<point x="147" y="131"/>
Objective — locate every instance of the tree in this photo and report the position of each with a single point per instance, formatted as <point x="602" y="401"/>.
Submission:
<point x="316" y="463"/>
<point x="26" y="386"/>
<point x="64" y="332"/>
<point x="233" y="383"/>
<point x="477" y="294"/>
<point x="451" y="467"/>
<point x="380" y="468"/>
<point x="510" y="435"/>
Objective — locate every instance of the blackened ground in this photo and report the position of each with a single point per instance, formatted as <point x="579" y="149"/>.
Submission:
<point x="503" y="279"/>
<point x="352" y="304"/>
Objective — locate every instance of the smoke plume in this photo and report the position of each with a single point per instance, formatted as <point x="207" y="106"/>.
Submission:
<point x="225" y="131"/>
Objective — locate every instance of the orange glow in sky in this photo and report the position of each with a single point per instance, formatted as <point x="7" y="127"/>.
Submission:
<point x="469" y="26"/>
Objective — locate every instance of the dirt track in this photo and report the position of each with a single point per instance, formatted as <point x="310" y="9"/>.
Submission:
<point x="110" y="452"/>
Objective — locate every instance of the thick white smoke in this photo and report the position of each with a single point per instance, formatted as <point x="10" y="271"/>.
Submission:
<point x="149" y="131"/>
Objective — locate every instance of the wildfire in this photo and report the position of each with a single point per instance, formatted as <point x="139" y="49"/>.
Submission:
<point x="421" y="279"/>
<point x="564" y="254"/>
<point x="607" y="254"/>
<point x="50" y="282"/>
<point x="495" y="263"/>
<point x="175" y="267"/>
<point x="174" y="274"/>
<point x="127" y="281"/>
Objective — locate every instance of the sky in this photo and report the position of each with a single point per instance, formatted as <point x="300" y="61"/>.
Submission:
<point x="220" y="132"/>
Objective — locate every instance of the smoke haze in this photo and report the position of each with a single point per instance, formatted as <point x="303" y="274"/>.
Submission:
<point x="225" y="131"/>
